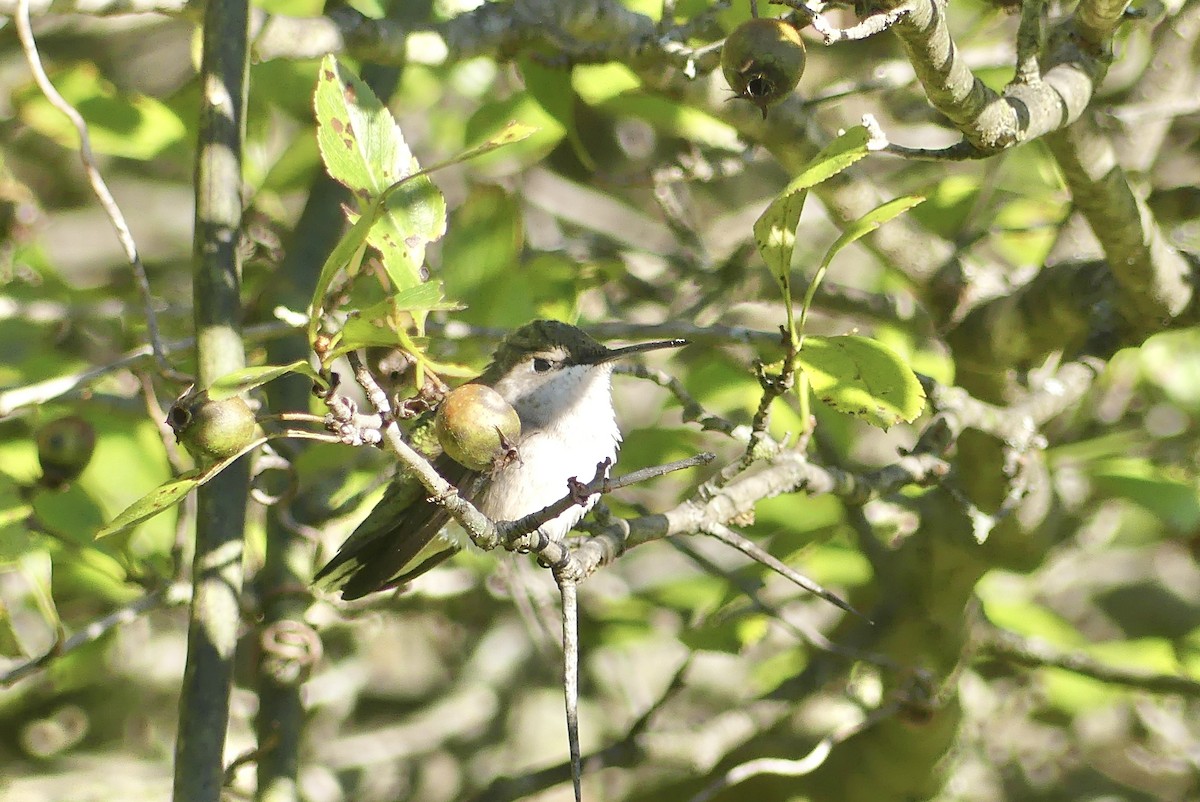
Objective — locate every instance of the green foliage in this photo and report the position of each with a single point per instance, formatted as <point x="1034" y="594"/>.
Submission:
<point x="362" y="148"/>
<point x="131" y="125"/>
<point x="170" y="493"/>
<point x="437" y="257"/>
<point x="862" y="377"/>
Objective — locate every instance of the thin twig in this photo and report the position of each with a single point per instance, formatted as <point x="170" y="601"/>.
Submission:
<point x="758" y="554"/>
<point x="50" y="389"/>
<point x="107" y="202"/>
<point x="793" y="768"/>
<point x="570" y="629"/>
<point x="579" y="493"/>
<point x="1031" y="36"/>
<point x="692" y="409"/>
<point x="93" y="631"/>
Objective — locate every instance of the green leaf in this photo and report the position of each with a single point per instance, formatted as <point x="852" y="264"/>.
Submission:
<point x="168" y="494"/>
<point x="364" y="328"/>
<point x="70" y="514"/>
<point x="364" y="149"/>
<point x="120" y="124"/>
<point x="553" y="91"/>
<point x="546" y="132"/>
<point x="345" y="255"/>
<point x="348" y="251"/>
<point x="862" y="377"/>
<point x="869" y="222"/>
<point x="775" y="233"/>
<point x="775" y="229"/>
<point x="839" y="154"/>
<point x="512" y="132"/>
<point x="484" y="240"/>
<point x="239" y="381"/>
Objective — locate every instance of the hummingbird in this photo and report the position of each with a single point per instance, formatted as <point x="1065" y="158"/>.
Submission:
<point x="558" y="379"/>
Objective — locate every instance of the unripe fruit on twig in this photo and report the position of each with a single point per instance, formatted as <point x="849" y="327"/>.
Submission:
<point x="763" y="60"/>
<point x="212" y="430"/>
<point x="477" y="427"/>
<point x="64" y="447"/>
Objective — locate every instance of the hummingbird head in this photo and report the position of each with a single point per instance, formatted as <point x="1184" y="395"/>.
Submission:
<point x="546" y="368"/>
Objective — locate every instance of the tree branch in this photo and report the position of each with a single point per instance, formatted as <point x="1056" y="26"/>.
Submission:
<point x="99" y="187"/>
<point x="217" y="569"/>
<point x="1155" y="281"/>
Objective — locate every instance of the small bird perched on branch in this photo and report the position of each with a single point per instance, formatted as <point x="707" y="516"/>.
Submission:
<point x="558" y="380"/>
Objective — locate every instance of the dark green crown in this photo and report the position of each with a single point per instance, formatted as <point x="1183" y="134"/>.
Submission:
<point x="545" y="335"/>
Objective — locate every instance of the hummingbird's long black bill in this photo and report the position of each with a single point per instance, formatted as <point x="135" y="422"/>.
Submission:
<point x="628" y="350"/>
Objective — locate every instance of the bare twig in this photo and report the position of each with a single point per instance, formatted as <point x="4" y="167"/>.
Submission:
<point x="176" y="594"/>
<point x="50" y="389"/>
<point x="870" y="26"/>
<point x="107" y="202"/>
<point x="570" y="629"/>
<point x="879" y="142"/>
<point x="512" y="531"/>
<point x="1031" y="35"/>
<point x="760" y="555"/>
<point x="692" y="409"/>
<point x="797" y="629"/>
<point x="794" y="768"/>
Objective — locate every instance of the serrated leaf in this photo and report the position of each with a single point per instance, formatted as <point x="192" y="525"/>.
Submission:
<point x="871" y="221"/>
<point x="849" y="147"/>
<point x="862" y="377"/>
<point x="170" y="493"/>
<point x="349" y="249"/>
<point x="239" y="381"/>
<point x="775" y="229"/>
<point x="364" y="149"/>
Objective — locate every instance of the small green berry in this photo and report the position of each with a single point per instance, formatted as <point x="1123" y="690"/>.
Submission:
<point x="212" y="430"/>
<point x="763" y="60"/>
<point x="477" y="427"/>
<point x="64" y="448"/>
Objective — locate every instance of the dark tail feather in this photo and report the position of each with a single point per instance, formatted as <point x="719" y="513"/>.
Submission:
<point x="402" y="524"/>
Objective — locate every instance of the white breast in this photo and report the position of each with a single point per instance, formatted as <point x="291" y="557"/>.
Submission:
<point x="568" y="444"/>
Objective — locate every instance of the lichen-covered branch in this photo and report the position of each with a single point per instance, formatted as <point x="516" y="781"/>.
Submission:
<point x="1155" y="281"/>
<point x="1027" y="109"/>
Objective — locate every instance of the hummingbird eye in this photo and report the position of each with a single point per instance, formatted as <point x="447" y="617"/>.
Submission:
<point x="541" y="364"/>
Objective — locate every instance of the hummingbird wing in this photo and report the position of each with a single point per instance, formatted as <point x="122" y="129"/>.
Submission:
<point x="395" y="532"/>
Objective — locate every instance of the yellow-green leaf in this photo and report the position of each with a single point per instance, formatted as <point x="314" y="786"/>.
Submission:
<point x="364" y="149"/>
<point x="862" y="377"/>
<point x="168" y="494"/>
<point x="871" y="221"/>
<point x="775" y="229"/>
<point x="239" y="381"/>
